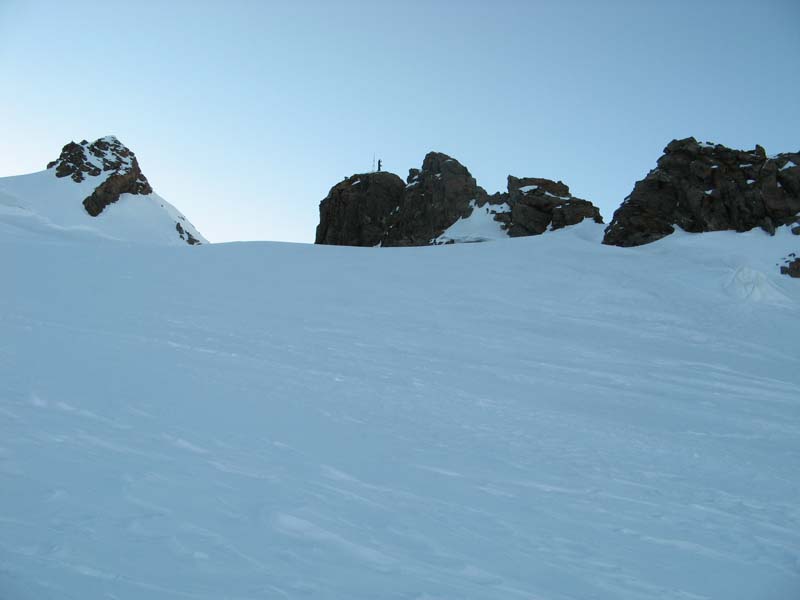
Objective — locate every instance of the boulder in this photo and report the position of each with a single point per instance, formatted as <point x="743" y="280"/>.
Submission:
<point x="705" y="187"/>
<point x="791" y="266"/>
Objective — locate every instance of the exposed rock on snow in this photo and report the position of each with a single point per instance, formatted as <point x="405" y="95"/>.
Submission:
<point x="438" y="205"/>
<point x="791" y="266"/>
<point x="104" y="156"/>
<point x="541" y="203"/>
<point x="437" y="195"/>
<point x="356" y="210"/>
<point x="707" y="187"/>
<point x="74" y="198"/>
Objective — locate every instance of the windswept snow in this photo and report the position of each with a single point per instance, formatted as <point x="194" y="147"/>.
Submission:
<point x="541" y="417"/>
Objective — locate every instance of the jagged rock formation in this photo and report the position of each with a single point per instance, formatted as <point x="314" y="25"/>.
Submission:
<point x="372" y="209"/>
<point x="435" y="197"/>
<point x="106" y="155"/>
<point x="705" y="187"/>
<point x="538" y="204"/>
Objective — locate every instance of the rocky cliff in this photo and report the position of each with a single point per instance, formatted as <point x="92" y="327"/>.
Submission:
<point x="356" y="210"/>
<point x="378" y="209"/>
<point x="706" y="187"/>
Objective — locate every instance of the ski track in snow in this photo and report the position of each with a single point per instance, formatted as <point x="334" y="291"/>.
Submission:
<point x="538" y="418"/>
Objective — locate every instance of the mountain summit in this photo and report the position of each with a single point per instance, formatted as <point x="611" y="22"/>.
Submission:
<point x="95" y="189"/>
<point x="106" y="156"/>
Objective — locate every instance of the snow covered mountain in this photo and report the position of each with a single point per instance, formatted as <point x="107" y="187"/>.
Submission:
<point x="543" y="417"/>
<point x="92" y="190"/>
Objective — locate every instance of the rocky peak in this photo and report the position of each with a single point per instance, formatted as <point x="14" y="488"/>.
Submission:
<point x="105" y="155"/>
<point x="435" y="197"/>
<point x="443" y="178"/>
<point x="700" y="186"/>
<point x="111" y="162"/>
<point x="359" y="212"/>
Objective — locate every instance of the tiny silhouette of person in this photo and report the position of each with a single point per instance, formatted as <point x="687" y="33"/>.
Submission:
<point x="379" y="165"/>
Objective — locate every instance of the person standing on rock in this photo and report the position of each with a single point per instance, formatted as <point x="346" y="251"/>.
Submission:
<point x="379" y="165"/>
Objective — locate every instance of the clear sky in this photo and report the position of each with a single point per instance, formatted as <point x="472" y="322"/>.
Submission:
<point x="244" y="113"/>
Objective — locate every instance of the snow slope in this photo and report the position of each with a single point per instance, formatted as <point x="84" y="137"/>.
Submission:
<point x="53" y="206"/>
<point x="537" y="418"/>
<point x="479" y="226"/>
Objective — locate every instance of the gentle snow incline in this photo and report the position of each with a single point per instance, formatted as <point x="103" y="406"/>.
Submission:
<point x="539" y="418"/>
<point x="49" y="206"/>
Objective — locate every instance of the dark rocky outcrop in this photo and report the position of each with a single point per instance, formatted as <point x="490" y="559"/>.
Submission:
<point x="356" y="210"/>
<point x="538" y="204"/>
<point x="704" y="187"/>
<point x="372" y="209"/>
<point x="186" y="235"/>
<point x="792" y="268"/>
<point x="112" y="169"/>
<point x="104" y="156"/>
<point x="435" y="197"/>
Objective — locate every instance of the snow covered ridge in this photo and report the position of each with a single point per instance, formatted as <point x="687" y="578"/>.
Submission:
<point x="94" y="190"/>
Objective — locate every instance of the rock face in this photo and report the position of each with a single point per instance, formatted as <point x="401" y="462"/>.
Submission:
<point x="356" y="210"/>
<point x="434" y="198"/>
<point x="378" y="209"/>
<point x="538" y="204"/>
<point x="705" y="187"/>
<point x="104" y="156"/>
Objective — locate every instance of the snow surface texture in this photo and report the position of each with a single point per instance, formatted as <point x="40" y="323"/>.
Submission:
<point x="479" y="226"/>
<point x="536" y="418"/>
<point x="53" y="206"/>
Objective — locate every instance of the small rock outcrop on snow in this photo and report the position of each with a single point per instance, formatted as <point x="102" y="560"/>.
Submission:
<point x="708" y="187"/>
<point x="442" y="203"/>
<point x="538" y="204"/>
<point x="93" y="189"/>
<point x="791" y="266"/>
<point x="106" y="156"/>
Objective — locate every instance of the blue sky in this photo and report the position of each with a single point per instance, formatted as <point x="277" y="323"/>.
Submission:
<point x="244" y="114"/>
